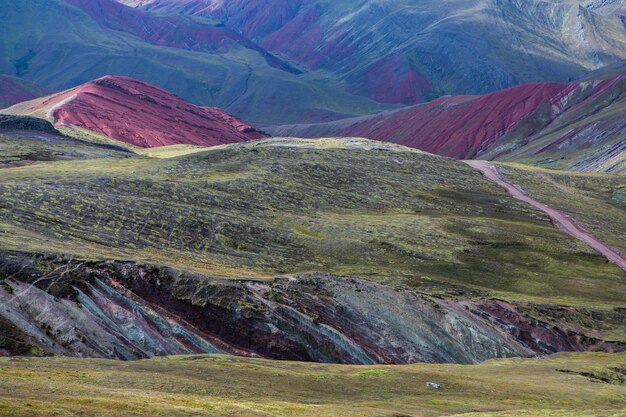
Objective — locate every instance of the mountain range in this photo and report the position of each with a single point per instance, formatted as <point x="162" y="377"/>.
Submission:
<point x="577" y="126"/>
<point x="408" y="51"/>
<point x="202" y="61"/>
<point x="277" y="62"/>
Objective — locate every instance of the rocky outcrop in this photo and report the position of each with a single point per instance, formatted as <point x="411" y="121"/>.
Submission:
<point x="10" y="122"/>
<point x="127" y="311"/>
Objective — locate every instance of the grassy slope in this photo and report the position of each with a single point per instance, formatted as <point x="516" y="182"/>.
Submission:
<point x="587" y="197"/>
<point x="234" y="78"/>
<point x="28" y="146"/>
<point x="570" y="159"/>
<point x="96" y="138"/>
<point x="286" y="206"/>
<point x="227" y="386"/>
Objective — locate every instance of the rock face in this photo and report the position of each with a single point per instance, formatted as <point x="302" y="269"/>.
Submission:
<point x="138" y="113"/>
<point x="529" y="121"/>
<point x="127" y="311"/>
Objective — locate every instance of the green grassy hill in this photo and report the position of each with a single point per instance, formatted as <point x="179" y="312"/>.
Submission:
<point x="333" y="250"/>
<point x="592" y="199"/>
<point x="286" y="206"/>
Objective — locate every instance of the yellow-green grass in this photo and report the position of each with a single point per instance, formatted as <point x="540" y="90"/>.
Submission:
<point x="586" y="197"/>
<point x="94" y="137"/>
<point x="283" y="206"/>
<point x="161" y="152"/>
<point x="561" y="385"/>
<point x="172" y="151"/>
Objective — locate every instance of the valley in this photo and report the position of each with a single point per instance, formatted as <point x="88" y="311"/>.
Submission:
<point x="366" y="208"/>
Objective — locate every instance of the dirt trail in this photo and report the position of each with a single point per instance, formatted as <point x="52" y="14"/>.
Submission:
<point x="559" y="219"/>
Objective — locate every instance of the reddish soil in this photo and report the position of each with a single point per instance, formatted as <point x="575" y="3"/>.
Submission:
<point x="143" y="115"/>
<point x="464" y="126"/>
<point x="391" y="80"/>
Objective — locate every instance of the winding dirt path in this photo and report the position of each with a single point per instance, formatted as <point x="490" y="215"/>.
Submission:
<point x="558" y="218"/>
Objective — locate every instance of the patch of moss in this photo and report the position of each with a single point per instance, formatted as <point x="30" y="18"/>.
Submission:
<point x="247" y="309"/>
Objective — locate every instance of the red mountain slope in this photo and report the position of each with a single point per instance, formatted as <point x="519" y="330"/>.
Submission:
<point x="492" y="125"/>
<point x="138" y="113"/>
<point x="463" y="126"/>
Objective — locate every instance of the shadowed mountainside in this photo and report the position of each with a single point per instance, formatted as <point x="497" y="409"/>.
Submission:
<point x="26" y="140"/>
<point x="15" y="90"/>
